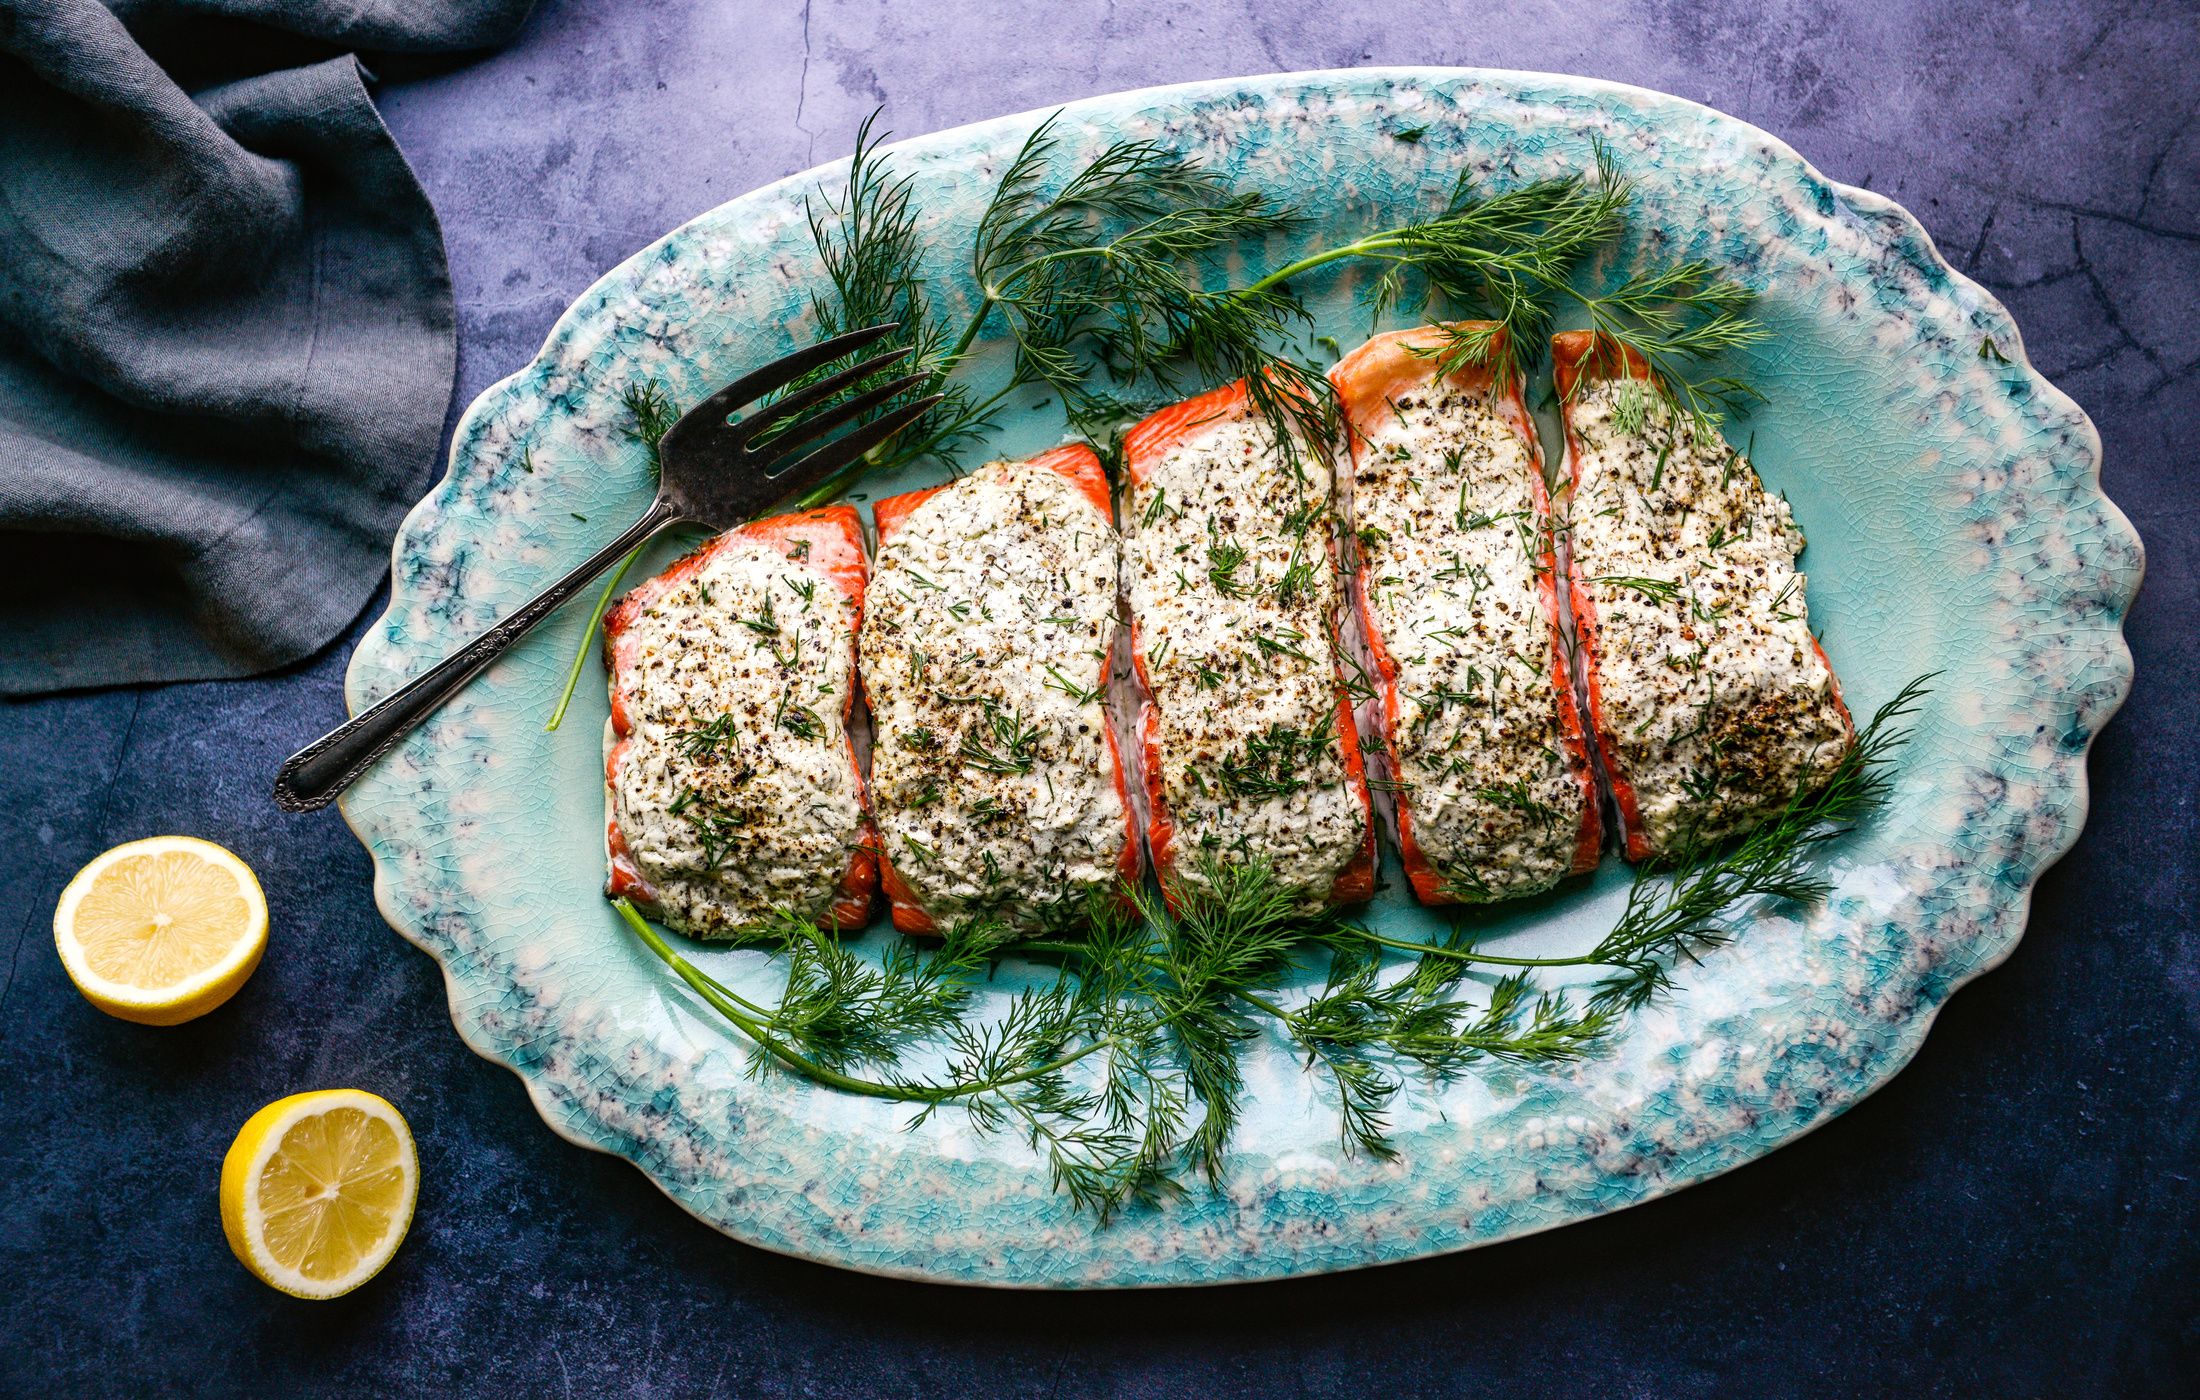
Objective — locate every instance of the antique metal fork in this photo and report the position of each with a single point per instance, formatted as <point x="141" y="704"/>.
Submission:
<point x="716" y="472"/>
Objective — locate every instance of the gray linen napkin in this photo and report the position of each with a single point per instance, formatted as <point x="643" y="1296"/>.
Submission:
<point x="226" y="336"/>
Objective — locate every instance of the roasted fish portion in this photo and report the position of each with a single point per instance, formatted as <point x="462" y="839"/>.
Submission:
<point x="733" y="790"/>
<point x="995" y="775"/>
<point x="1457" y="597"/>
<point x="1711" y="701"/>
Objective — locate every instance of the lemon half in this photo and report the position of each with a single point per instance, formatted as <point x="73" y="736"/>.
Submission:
<point x="162" y="930"/>
<point x="318" y="1189"/>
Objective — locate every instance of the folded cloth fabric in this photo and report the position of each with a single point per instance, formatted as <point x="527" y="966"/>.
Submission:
<point x="226" y="335"/>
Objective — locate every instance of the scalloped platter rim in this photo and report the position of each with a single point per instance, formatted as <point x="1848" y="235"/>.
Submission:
<point x="1958" y="525"/>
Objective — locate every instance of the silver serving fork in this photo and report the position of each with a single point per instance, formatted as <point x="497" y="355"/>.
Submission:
<point x="716" y="472"/>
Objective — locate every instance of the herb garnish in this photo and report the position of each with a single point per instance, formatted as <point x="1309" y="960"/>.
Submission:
<point x="1083" y="695"/>
<point x="1124" y="1071"/>
<point x="716" y="827"/>
<point x="1223" y="559"/>
<point x="1276" y="760"/>
<point x="1657" y="590"/>
<point x="1515" y="796"/>
<point x="713" y="739"/>
<point x="765" y="623"/>
<point x="1010" y="745"/>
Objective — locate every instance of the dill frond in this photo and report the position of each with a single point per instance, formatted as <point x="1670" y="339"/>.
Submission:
<point x="1125" y="1071"/>
<point x="653" y="414"/>
<point x="872" y="249"/>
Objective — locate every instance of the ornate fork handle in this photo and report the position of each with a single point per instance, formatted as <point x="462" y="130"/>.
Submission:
<point x="314" y="775"/>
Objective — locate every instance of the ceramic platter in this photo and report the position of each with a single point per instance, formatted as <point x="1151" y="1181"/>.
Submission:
<point x="1956" y="523"/>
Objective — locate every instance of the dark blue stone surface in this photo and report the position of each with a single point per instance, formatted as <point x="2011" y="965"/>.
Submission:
<point x="2015" y="1215"/>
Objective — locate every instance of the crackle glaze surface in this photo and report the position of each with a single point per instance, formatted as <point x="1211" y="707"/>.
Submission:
<point x="1956" y="523"/>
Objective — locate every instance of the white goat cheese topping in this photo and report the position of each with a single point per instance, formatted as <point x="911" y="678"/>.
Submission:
<point x="1228" y="563"/>
<point x="737" y="793"/>
<point x="1452" y="560"/>
<point x="1711" y="686"/>
<point x="992" y="614"/>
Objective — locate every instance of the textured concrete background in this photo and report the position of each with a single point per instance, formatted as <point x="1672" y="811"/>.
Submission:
<point x="2015" y="1215"/>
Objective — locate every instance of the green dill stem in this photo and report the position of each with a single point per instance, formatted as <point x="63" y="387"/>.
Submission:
<point x="830" y="489"/>
<point x="992" y="298"/>
<point x="753" y="1007"/>
<point x="580" y="653"/>
<point x="1372" y="244"/>
<point x="963" y="342"/>
<point x="759" y="1030"/>
<point x="1073" y="949"/>
<point x="755" y="1029"/>
<point x="1256" y="999"/>
<point x="1407" y="945"/>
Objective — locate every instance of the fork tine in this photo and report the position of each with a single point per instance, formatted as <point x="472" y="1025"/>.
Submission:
<point x="779" y="410"/>
<point x="803" y="430"/>
<point x="842" y="450"/>
<point x="715" y="410"/>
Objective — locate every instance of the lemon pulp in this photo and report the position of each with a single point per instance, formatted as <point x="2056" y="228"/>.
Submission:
<point x="331" y="1192"/>
<point x="153" y="921"/>
<point x="161" y="930"/>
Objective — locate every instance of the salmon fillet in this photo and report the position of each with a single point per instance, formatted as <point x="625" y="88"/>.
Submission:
<point x="733" y="790"/>
<point x="1711" y="702"/>
<point x="1248" y="745"/>
<point x="1456" y="593"/>
<point x="996" y="779"/>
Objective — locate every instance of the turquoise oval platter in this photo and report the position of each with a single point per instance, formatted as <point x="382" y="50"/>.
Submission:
<point x="1956" y="522"/>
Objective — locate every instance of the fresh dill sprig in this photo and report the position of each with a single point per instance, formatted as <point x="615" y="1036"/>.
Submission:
<point x="798" y="720"/>
<point x="1224" y="557"/>
<point x="1126" y="1070"/>
<point x="1107" y="260"/>
<point x="1497" y="254"/>
<point x="765" y="623"/>
<point x="1631" y="407"/>
<point x="1358" y="1026"/>
<point x="1297" y="583"/>
<point x="1656" y="590"/>
<point x="872" y="248"/>
<point x="1009" y="745"/>
<point x="1083" y="695"/>
<point x="1516" y="797"/>
<point x="653" y="414"/>
<point x="1277" y="760"/>
<point x="714" y="739"/>
<point x="716" y="826"/>
<point x="1100" y="265"/>
<point x="1674" y="317"/>
<point x="841" y="1011"/>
